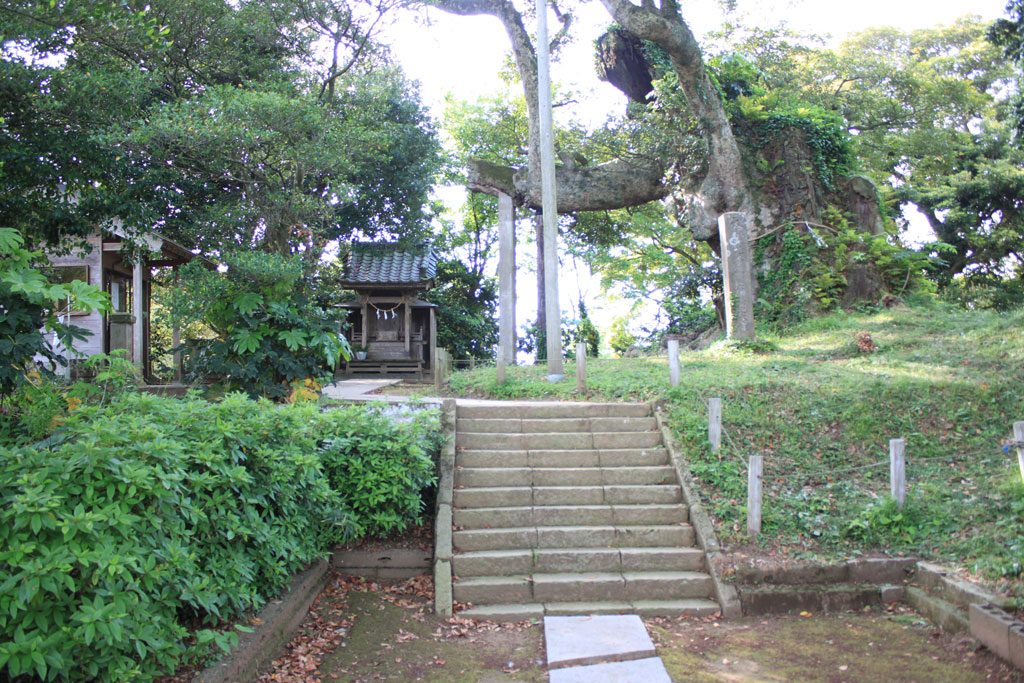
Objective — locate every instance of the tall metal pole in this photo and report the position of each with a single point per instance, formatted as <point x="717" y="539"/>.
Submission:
<point x="556" y="369"/>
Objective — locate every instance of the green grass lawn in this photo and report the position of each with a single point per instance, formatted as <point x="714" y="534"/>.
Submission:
<point x="949" y="381"/>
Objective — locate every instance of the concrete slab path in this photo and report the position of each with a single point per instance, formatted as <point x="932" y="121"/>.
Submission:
<point x="573" y="641"/>
<point x="650" y="670"/>
<point x="348" y="389"/>
<point x="598" y="648"/>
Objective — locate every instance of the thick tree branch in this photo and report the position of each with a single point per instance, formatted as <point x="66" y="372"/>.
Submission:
<point x="612" y="185"/>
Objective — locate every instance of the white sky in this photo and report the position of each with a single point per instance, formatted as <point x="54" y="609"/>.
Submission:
<point x="461" y="56"/>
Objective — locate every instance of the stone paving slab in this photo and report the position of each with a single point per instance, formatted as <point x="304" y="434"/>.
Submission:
<point x="573" y="641"/>
<point x="356" y="388"/>
<point x="650" y="670"/>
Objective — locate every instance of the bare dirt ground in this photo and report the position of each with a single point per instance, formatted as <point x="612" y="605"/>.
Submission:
<point x="888" y="645"/>
<point x="362" y="631"/>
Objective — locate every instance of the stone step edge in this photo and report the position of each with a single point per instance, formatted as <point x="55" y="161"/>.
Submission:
<point x="524" y="612"/>
<point x="609" y="514"/>
<point x="567" y="527"/>
<point x="666" y="575"/>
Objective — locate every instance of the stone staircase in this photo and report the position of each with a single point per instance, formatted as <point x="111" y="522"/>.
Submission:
<point x="570" y="508"/>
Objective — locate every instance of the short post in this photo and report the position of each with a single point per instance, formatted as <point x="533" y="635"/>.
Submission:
<point x="581" y="367"/>
<point x="438" y="380"/>
<point x="1018" y="436"/>
<point x="673" y="361"/>
<point x="715" y="423"/>
<point x="754" y="470"/>
<point x="897" y="471"/>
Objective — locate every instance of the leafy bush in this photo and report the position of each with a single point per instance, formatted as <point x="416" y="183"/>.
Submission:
<point x="29" y="310"/>
<point x="270" y="331"/>
<point x="39" y="406"/>
<point x="380" y="466"/>
<point x="621" y="339"/>
<point x="467" y="313"/>
<point x="148" y="520"/>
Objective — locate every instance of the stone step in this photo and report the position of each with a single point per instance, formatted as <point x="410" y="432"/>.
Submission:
<point x="578" y="515"/>
<point x="470" y="477"/>
<point x="512" y="425"/>
<point x="521" y="496"/>
<point x="472" y="409"/>
<point x="559" y="560"/>
<point x="556" y="440"/>
<point x="527" y="537"/>
<point x="645" y="608"/>
<point x="582" y="587"/>
<point x="615" y="457"/>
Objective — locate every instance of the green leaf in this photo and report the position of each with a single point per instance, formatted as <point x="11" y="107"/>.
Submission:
<point x="10" y="239"/>
<point x="247" y="302"/>
<point x="293" y="339"/>
<point x="247" y="341"/>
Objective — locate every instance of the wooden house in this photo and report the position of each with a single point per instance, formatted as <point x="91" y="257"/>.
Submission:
<point x="104" y="264"/>
<point x="391" y="330"/>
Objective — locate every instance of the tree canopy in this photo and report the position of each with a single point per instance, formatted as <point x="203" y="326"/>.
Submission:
<point x="219" y="123"/>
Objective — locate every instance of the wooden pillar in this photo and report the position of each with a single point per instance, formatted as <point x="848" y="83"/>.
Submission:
<point x="408" y="325"/>
<point x="176" y="342"/>
<point x="366" y="323"/>
<point x="138" y="312"/>
<point x="506" y="286"/>
<point x="549" y="204"/>
<point x="431" y="352"/>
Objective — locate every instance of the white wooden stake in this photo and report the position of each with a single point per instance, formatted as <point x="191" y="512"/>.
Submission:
<point x="897" y="471"/>
<point x="581" y="367"/>
<point x="754" y="471"/>
<point x="1018" y="436"/>
<point x="715" y="424"/>
<point x="673" y="361"/>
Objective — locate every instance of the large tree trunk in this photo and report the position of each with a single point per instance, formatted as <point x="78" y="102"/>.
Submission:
<point x="622" y="183"/>
<point x="725" y="187"/>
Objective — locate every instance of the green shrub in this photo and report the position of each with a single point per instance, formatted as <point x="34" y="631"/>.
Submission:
<point x="270" y="331"/>
<point x="380" y="465"/>
<point x="153" y="516"/>
<point x="145" y="523"/>
<point x="38" y="405"/>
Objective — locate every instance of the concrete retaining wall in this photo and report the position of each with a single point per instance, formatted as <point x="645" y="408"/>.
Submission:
<point x="278" y="621"/>
<point x="704" y="530"/>
<point x="443" y="518"/>
<point x="383" y="564"/>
